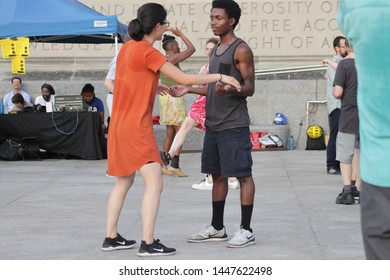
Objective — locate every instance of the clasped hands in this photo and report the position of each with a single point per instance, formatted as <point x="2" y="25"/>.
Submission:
<point x="180" y="90"/>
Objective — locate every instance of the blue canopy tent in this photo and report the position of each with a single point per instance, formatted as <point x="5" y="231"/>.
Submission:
<point x="59" y="21"/>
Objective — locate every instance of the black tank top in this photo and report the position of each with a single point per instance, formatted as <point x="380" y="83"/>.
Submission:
<point x="228" y="111"/>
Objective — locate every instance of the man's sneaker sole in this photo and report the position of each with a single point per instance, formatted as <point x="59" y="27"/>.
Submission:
<point x="210" y="239"/>
<point x="111" y="248"/>
<point x="250" y="242"/>
<point x="147" y="254"/>
<point x="154" y="249"/>
<point x="345" y="202"/>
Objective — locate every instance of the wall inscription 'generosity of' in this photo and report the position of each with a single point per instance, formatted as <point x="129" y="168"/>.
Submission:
<point x="271" y="28"/>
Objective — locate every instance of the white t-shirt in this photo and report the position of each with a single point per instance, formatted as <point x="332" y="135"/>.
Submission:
<point x="39" y="100"/>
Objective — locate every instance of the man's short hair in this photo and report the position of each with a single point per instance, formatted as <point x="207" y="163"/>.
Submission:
<point x="232" y="9"/>
<point x="16" y="78"/>
<point x="336" y="41"/>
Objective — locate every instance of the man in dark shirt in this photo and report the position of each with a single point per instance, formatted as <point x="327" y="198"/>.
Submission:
<point x="347" y="144"/>
<point x="227" y="146"/>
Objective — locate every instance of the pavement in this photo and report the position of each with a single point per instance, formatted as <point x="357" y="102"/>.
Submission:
<point x="55" y="209"/>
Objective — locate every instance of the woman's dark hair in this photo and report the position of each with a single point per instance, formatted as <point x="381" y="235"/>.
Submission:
<point x="18" y="98"/>
<point x="232" y="9"/>
<point x="148" y="16"/>
<point x="166" y="40"/>
<point x="49" y="88"/>
<point x="88" y="88"/>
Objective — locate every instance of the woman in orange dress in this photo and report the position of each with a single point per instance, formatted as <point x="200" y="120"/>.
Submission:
<point x="131" y="142"/>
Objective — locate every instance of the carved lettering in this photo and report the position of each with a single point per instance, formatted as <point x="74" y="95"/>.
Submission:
<point x="280" y="27"/>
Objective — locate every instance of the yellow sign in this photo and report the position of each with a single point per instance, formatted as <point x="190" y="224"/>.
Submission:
<point x="17" y="50"/>
<point x="15" y="47"/>
<point x="18" y="65"/>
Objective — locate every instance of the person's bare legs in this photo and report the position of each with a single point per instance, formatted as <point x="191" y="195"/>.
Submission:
<point x="220" y="188"/>
<point x="169" y="136"/>
<point x="181" y="136"/>
<point x="220" y="191"/>
<point x="115" y="203"/>
<point x="210" y="179"/>
<point x="178" y="150"/>
<point x="153" y="181"/>
<point x="247" y="190"/>
<point x="346" y="172"/>
<point x="356" y="168"/>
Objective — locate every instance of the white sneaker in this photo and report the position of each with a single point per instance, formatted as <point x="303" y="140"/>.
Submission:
<point x="234" y="185"/>
<point x="242" y="238"/>
<point x="204" y="185"/>
<point x="208" y="234"/>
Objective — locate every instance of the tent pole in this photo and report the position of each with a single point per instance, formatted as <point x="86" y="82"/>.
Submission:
<point x="116" y="43"/>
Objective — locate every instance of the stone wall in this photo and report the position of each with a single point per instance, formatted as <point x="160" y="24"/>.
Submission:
<point x="284" y="94"/>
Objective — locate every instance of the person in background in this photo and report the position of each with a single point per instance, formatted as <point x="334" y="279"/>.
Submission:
<point x="172" y="110"/>
<point x="369" y="32"/>
<point x="94" y="103"/>
<point x="132" y="144"/>
<point x="20" y="105"/>
<point x="110" y="78"/>
<point x="16" y="88"/>
<point x="47" y="95"/>
<point x="347" y="142"/>
<point x="333" y="104"/>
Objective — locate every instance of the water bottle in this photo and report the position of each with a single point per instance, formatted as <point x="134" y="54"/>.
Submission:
<point x="291" y="143"/>
<point x="1" y="106"/>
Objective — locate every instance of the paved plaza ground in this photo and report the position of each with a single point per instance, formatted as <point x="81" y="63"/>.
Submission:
<point x="55" y="209"/>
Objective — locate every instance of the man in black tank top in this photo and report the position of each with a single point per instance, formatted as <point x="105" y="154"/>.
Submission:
<point x="227" y="146"/>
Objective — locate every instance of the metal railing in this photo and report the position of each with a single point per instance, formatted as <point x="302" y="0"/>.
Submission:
<point x="288" y="70"/>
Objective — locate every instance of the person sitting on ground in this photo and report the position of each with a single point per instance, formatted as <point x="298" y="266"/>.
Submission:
<point x="20" y="105"/>
<point x="47" y="95"/>
<point x="94" y="103"/>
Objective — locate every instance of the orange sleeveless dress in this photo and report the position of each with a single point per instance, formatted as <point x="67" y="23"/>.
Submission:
<point x="131" y="140"/>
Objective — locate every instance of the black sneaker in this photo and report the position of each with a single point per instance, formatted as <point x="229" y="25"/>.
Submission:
<point x="155" y="249"/>
<point x="117" y="243"/>
<point x="345" y="198"/>
<point x="355" y="192"/>
<point x="165" y="157"/>
<point x="334" y="171"/>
